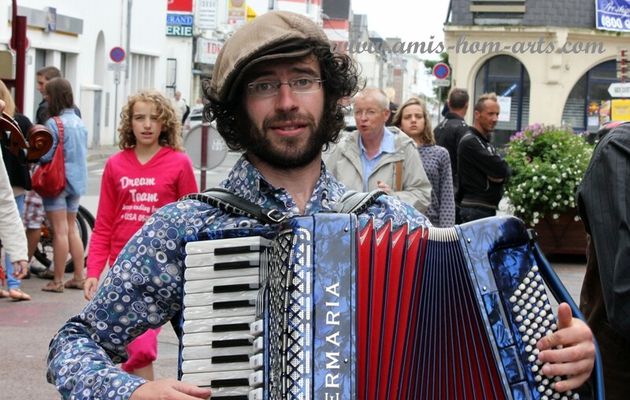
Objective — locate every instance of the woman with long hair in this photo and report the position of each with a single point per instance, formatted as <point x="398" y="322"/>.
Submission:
<point x="62" y="209"/>
<point x="413" y="119"/>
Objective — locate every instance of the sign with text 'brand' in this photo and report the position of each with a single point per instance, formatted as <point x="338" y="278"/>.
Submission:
<point x="179" y="25"/>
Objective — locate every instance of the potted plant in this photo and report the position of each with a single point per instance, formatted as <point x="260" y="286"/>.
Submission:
<point x="548" y="164"/>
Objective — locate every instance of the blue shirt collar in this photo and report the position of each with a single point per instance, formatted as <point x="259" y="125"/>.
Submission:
<point x="246" y="181"/>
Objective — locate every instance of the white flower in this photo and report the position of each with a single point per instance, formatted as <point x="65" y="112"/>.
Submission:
<point x="556" y="216"/>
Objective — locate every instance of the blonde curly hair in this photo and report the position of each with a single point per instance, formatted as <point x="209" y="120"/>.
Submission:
<point x="171" y="127"/>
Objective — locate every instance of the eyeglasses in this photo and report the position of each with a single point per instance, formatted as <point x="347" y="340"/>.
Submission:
<point x="272" y="88"/>
<point x="370" y="113"/>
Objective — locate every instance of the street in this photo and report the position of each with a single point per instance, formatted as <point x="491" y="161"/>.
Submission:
<point x="27" y="327"/>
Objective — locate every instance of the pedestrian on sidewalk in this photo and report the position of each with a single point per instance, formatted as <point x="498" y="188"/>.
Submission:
<point x="34" y="213"/>
<point x="11" y="228"/>
<point x="20" y="180"/>
<point x="151" y="171"/>
<point x="603" y="199"/>
<point x="62" y="210"/>
<point x="413" y="119"/>
<point x="482" y="172"/>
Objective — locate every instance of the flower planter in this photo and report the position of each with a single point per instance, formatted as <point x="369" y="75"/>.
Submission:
<point x="564" y="235"/>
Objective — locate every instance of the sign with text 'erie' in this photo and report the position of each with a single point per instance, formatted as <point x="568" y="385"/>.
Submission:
<point x="179" y="25"/>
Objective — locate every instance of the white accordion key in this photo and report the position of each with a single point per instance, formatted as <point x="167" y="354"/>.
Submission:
<point x="256" y="394"/>
<point x="232" y="284"/>
<point x="256" y="361"/>
<point x="256" y="379"/>
<point x="259" y="344"/>
<point x="238" y="382"/>
<point x="256" y="328"/>
<point x="239" y="244"/>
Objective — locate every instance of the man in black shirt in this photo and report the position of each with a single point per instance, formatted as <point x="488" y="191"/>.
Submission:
<point x="449" y="132"/>
<point x="603" y="203"/>
<point x="482" y="171"/>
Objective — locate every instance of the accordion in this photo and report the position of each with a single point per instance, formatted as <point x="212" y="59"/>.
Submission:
<point x="319" y="307"/>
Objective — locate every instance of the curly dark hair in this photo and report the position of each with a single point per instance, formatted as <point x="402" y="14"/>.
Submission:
<point x="340" y="79"/>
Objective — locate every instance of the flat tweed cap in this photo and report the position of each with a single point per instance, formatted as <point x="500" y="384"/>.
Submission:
<point x="273" y="35"/>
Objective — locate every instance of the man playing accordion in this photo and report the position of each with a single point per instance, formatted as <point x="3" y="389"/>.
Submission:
<point x="275" y="93"/>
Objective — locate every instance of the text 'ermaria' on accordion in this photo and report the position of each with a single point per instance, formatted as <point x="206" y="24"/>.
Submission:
<point x="322" y="308"/>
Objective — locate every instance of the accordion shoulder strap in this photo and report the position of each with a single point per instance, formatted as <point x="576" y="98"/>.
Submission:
<point x="357" y="202"/>
<point x="231" y="203"/>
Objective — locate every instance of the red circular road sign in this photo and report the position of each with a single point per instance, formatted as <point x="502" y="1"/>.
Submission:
<point x="117" y="54"/>
<point x="441" y="71"/>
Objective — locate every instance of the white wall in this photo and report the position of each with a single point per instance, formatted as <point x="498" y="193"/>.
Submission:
<point x="148" y="37"/>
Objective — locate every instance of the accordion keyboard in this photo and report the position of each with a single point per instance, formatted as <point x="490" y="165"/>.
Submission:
<point x="221" y="285"/>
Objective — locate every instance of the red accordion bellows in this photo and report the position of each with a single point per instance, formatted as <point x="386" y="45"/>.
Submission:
<point x="420" y="332"/>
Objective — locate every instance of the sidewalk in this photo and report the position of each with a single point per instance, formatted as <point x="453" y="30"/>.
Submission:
<point x="101" y="153"/>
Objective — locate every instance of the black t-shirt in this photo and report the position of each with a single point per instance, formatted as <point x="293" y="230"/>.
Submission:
<point x="17" y="166"/>
<point x="478" y="160"/>
<point x="448" y="133"/>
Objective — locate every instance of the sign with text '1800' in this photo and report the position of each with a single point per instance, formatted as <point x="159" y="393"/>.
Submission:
<point x="179" y="25"/>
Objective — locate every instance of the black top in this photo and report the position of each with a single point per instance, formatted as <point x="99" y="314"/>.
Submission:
<point x="448" y="133"/>
<point x="604" y="206"/>
<point x="478" y="160"/>
<point x="17" y="167"/>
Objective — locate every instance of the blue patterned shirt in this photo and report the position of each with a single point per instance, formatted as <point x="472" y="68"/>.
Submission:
<point x="144" y="287"/>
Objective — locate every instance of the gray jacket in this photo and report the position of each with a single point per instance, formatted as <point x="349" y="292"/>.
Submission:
<point x="344" y="162"/>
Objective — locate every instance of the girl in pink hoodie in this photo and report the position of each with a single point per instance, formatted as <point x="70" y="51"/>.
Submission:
<point x="150" y="172"/>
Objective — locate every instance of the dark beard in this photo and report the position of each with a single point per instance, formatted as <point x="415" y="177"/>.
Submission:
<point x="287" y="156"/>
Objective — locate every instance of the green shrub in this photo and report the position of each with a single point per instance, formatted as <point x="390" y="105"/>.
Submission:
<point x="547" y="164"/>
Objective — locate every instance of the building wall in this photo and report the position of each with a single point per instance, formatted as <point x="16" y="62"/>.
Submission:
<point x="552" y="76"/>
<point x="86" y="55"/>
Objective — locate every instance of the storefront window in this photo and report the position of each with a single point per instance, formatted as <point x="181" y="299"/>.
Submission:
<point x="588" y="105"/>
